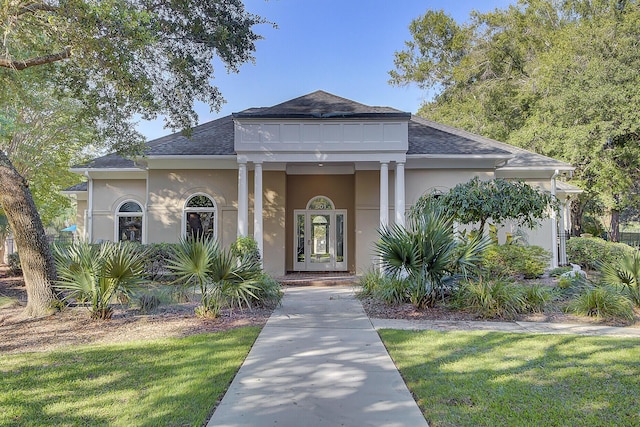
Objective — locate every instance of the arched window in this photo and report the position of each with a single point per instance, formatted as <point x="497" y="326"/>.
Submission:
<point x="200" y="216"/>
<point x="129" y="222"/>
<point x="320" y="203"/>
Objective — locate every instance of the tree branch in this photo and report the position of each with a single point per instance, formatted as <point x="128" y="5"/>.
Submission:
<point x="32" y="62"/>
<point x="34" y="7"/>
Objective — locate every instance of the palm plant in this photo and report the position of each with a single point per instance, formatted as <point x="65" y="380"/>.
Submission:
<point x="427" y="253"/>
<point x="97" y="273"/>
<point x="624" y="274"/>
<point x="223" y="278"/>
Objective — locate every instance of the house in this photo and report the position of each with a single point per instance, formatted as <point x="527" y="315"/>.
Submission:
<point x="311" y="179"/>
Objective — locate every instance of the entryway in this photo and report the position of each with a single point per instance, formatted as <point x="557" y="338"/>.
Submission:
<point x="320" y="237"/>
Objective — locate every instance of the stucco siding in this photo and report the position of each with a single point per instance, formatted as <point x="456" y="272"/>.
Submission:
<point x="108" y="195"/>
<point x="169" y="191"/>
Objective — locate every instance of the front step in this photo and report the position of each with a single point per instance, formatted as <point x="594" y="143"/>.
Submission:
<point x="318" y="279"/>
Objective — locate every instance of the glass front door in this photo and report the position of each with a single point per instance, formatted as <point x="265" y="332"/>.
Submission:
<point x="320" y="240"/>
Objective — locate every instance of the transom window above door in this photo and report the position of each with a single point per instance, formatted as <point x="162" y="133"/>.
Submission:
<point x="320" y="203"/>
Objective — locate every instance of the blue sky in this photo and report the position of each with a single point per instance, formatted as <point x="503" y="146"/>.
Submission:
<point x="345" y="47"/>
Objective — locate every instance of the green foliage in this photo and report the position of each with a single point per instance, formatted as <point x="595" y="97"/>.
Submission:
<point x="499" y="200"/>
<point x="558" y="78"/>
<point x="602" y="302"/>
<point x="558" y="271"/>
<point x="589" y="252"/>
<point x="427" y="254"/>
<point x="515" y="260"/>
<point x="246" y="247"/>
<point x="268" y="292"/>
<point x="625" y="275"/>
<point x="537" y="297"/>
<point x="571" y="280"/>
<point x="223" y="279"/>
<point x="15" y="268"/>
<point x="491" y="298"/>
<point x="97" y="273"/>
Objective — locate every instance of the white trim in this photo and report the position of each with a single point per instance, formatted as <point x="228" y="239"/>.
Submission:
<point x="214" y="209"/>
<point x="399" y="203"/>
<point x="333" y="264"/>
<point x="384" y="194"/>
<point x="117" y="215"/>
<point x="243" y="200"/>
<point x="257" y="209"/>
<point x="333" y="205"/>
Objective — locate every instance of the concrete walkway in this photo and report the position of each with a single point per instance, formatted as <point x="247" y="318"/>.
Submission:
<point x="318" y="362"/>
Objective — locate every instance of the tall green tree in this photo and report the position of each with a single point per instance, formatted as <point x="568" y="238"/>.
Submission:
<point x="117" y="59"/>
<point x="556" y="77"/>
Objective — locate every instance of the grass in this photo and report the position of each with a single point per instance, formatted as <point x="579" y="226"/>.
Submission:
<point x="500" y="379"/>
<point x="168" y="382"/>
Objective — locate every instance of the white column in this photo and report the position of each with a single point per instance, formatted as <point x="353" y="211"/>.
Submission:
<point x="243" y="200"/>
<point x="554" y="225"/>
<point x="257" y="207"/>
<point x="384" y="194"/>
<point x="399" y="201"/>
<point x="562" y="256"/>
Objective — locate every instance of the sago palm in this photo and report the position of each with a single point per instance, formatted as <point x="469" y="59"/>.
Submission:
<point x="96" y="274"/>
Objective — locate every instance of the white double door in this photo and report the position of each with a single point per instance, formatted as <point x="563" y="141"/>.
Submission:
<point x="320" y="240"/>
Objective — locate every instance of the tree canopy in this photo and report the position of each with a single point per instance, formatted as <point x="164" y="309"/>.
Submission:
<point x="556" y="77"/>
<point x="96" y="66"/>
<point x="497" y="200"/>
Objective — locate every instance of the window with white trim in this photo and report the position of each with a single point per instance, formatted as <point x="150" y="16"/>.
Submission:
<point x="129" y="222"/>
<point x="200" y="216"/>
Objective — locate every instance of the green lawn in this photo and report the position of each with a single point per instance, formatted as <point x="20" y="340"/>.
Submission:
<point x="169" y="382"/>
<point x="500" y="379"/>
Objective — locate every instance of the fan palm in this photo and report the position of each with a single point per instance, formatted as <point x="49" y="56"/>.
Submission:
<point x="624" y="274"/>
<point x="97" y="273"/>
<point x="427" y="253"/>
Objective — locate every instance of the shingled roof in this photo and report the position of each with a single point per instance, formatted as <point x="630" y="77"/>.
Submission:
<point x="216" y="138"/>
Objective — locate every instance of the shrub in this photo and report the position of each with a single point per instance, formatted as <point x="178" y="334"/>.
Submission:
<point x="602" y="302"/>
<point x="515" y="260"/>
<point x="570" y="279"/>
<point x="491" y="298"/>
<point x="559" y="271"/>
<point x="268" y="292"/>
<point x="223" y="279"/>
<point x="97" y="273"/>
<point x="589" y="252"/>
<point x="15" y="268"/>
<point x="246" y="247"/>
<point x="625" y="275"/>
<point x="536" y="297"/>
<point x="383" y="287"/>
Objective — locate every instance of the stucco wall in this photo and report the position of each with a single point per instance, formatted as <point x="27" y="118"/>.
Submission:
<point x="81" y="208"/>
<point x="274" y="191"/>
<point x="338" y="188"/>
<point x="107" y="197"/>
<point x="169" y="191"/>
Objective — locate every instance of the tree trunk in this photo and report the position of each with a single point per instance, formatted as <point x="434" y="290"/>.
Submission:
<point x="35" y="257"/>
<point x="615" y="225"/>
<point x="577" y="210"/>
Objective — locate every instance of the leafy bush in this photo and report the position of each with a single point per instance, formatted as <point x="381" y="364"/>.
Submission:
<point x="491" y="298"/>
<point x="268" y="292"/>
<point x="246" y="247"/>
<point x="515" y="260"/>
<point x="385" y="288"/>
<point x="570" y="279"/>
<point x="15" y="268"/>
<point x="97" y="273"/>
<point x="625" y="275"/>
<point x="589" y="252"/>
<point x="602" y="302"/>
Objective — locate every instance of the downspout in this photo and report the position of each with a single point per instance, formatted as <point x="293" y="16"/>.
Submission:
<point x="554" y="223"/>
<point x="89" y="226"/>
